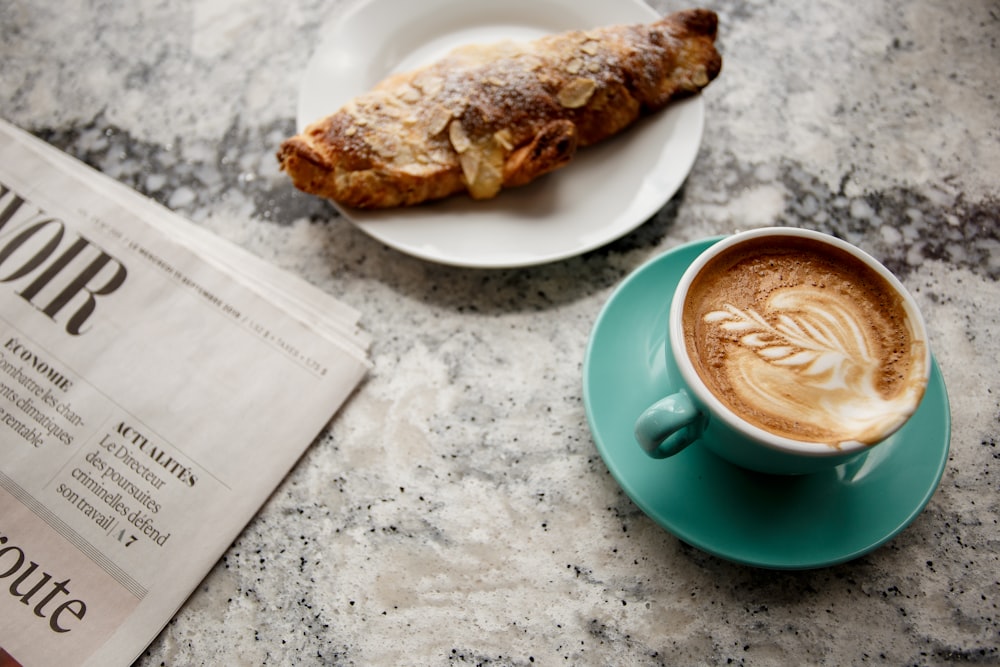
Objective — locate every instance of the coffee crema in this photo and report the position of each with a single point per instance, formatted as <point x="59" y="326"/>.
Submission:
<point x="804" y="340"/>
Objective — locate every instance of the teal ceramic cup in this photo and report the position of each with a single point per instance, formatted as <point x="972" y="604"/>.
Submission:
<point x="808" y="353"/>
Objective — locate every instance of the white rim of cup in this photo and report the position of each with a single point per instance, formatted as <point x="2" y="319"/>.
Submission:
<point x="694" y="383"/>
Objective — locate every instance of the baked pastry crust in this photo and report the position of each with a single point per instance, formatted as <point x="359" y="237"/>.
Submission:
<point x="486" y="117"/>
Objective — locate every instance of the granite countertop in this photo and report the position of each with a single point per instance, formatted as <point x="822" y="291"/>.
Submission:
<point x="457" y="510"/>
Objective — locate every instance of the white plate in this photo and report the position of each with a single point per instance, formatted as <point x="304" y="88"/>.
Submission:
<point x="605" y="192"/>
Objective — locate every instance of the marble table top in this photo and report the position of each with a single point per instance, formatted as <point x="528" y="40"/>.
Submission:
<point x="457" y="510"/>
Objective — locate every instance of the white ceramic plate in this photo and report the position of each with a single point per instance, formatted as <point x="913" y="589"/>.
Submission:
<point x="605" y="192"/>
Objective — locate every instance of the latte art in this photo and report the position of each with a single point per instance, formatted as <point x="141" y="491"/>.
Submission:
<point x="805" y="341"/>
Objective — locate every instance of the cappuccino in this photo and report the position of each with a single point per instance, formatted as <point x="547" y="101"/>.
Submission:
<point x="804" y="340"/>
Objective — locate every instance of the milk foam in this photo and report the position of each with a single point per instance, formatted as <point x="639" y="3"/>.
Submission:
<point x="809" y="361"/>
<point x="805" y="343"/>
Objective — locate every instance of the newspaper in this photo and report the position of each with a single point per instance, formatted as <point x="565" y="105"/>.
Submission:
<point x="156" y="385"/>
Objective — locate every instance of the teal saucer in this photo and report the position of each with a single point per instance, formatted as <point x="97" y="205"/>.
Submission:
<point x="767" y="521"/>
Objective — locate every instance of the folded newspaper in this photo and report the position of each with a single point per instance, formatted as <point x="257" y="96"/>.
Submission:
<point x="156" y="385"/>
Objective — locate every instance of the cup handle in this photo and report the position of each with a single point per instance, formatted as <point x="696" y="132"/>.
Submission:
<point x="669" y="425"/>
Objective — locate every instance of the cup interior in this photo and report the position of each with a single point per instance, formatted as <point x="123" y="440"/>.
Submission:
<point x="720" y="410"/>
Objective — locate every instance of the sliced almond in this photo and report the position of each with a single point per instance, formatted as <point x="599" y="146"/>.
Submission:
<point x="409" y="94"/>
<point x="700" y="77"/>
<point x="530" y="63"/>
<point x="430" y="84"/>
<point x="392" y="110"/>
<point x="545" y="78"/>
<point x="459" y="139"/>
<point x="458" y="106"/>
<point x="504" y="138"/>
<point x="577" y="92"/>
<point x="403" y="155"/>
<point x="441" y="156"/>
<point x="470" y="167"/>
<point x="384" y="144"/>
<point x="438" y="121"/>
<point x="489" y="180"/>
<point x="489" y="177"/>
<point x="394" y="101"/>
<point x="574" y="66"/>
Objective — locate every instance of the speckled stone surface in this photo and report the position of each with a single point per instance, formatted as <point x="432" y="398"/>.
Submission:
<point x="457" y="510"/>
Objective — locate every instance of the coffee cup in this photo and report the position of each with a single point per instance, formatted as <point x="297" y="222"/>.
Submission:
<point x="790" y="351"/>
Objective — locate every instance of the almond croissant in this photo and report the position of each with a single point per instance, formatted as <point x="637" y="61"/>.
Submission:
<point x="486" y="117"/>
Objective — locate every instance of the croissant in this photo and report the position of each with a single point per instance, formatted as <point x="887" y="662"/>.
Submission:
<point x="487" y="117"/>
